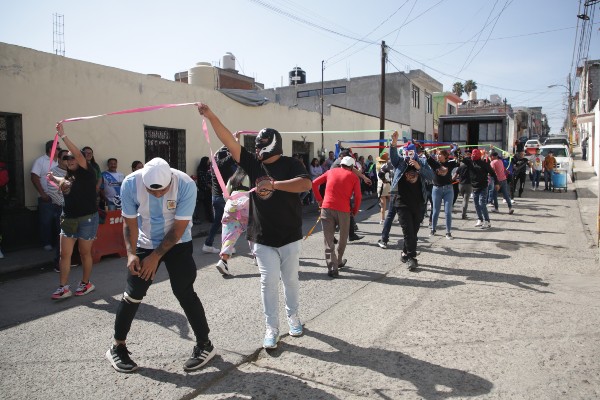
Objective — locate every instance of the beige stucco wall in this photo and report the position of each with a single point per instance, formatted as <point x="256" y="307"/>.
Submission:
<point x="45" y="88"/>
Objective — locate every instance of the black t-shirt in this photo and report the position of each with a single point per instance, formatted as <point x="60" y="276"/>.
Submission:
<point x="409" y="194"/>
<point x="81" y="199"/>
<point x="275" y="219"/>
<point x="227" y="169"/>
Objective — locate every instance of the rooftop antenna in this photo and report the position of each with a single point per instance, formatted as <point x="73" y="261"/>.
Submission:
<point x="58" y="37"/>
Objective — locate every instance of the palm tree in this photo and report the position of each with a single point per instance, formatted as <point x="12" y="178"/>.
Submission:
<point x="469" y="86"/>
<point x="458" y="89"/>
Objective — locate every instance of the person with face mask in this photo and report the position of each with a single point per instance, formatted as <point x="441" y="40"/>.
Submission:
<point x="410" y="194"/>
<point x="275" y="222"/>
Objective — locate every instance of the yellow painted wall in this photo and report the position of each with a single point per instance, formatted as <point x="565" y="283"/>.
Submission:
<point x="45" y="88"/>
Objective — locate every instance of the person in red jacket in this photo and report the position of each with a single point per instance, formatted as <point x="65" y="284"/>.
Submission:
<point x="342" y="183"/>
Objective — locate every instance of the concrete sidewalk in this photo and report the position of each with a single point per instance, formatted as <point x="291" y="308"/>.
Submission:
<point x="586" y="187"/>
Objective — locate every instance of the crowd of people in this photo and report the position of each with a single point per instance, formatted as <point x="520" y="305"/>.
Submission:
<point x="260" y="194"/>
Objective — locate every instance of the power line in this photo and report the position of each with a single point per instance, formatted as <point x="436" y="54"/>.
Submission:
<point x="508" y="2"/>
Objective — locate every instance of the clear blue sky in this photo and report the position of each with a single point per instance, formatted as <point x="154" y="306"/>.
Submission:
<point x="513" y="48"/>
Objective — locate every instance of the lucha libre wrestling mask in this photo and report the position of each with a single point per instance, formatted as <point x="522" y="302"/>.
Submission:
<point x="268" y="144"/>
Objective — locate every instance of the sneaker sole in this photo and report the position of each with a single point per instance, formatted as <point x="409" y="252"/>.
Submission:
<point x="63" y="296"/>
<point x="270" y="347"/>
<point x="114" y="365"/>
<point x="296" y="334"/>
<point x="86" y="292"/>
<point x="223" y="271"/>
<point x="203" y="363"/>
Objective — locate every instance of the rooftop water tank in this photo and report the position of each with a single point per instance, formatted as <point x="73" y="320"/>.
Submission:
<point x="203" y="74"/>
<point x="229" y="61"/>
<point x="297" y="76"/>
<point x="473" y="95"/>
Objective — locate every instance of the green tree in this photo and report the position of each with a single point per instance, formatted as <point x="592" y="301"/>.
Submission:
<point x="469" y="86"/>
<point x="458" y="89"/>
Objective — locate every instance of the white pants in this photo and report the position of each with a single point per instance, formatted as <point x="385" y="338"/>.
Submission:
<point x="273" y="263"/>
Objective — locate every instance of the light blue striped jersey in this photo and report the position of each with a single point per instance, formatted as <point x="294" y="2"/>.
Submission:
<point x="156" y="216"/>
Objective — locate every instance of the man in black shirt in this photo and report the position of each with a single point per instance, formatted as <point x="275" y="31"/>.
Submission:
<point x="410" y="174"/>
<point x="275" y="220"/>
<point x="519" y="173"/>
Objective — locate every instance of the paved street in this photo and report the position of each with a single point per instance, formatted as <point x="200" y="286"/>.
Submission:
<point x="511" y="312"/>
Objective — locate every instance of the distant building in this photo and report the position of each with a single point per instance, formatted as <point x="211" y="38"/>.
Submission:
<point x="408" y="98"/>
<point x="444" y="103"/>
<point x="479" y="122"/>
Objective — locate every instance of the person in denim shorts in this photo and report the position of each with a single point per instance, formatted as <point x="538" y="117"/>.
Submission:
<point x="79" y="220"/>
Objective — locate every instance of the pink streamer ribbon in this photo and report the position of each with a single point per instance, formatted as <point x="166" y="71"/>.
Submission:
<point x="154" y="108"/>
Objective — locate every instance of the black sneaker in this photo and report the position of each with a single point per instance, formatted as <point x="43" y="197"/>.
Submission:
<point x="342" y="264"/>
<point x="200" y="356"/>
<point x="403" y="257"/>
<point x="355" y="237"/>
<point x="412" y="264"/>
<point x="382" y="244"/>
<point x="118" y="355"/>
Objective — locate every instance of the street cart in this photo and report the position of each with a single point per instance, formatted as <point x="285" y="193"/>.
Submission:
<point x="559" y="180"/>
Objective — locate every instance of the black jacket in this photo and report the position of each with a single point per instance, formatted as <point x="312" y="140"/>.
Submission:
<point x="479" y="171"/>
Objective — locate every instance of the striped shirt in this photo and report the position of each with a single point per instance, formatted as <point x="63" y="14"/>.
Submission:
<point x="155" y="216"/>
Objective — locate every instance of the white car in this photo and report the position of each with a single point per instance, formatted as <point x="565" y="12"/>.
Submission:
<point x="531" y="145"/>
<point x="564" y="159"/>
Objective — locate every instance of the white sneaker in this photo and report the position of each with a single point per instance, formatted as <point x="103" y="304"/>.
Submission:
<point x="479" y="222"/>
<point x="504" y="201"/>
<point x="222" y="267"/>
<point x="271" y="338"/>
<point x="210" y="249"/>
<point x="486" y="225"/>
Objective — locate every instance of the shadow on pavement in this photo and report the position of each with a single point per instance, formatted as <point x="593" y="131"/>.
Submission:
<point x="432" y="381"/>
<point x="249" y="385"/>
<point x="379" y="277"/>
<point x="520" y="281"/>
<point x="446" y="251"/>
<point x="149" y="313"/>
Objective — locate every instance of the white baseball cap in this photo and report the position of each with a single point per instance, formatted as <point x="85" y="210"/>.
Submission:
<point x="348" y="161"/>
<point x="156" y="174"/>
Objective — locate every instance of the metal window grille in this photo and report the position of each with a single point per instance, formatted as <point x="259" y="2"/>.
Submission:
<point x="166" y="143"/>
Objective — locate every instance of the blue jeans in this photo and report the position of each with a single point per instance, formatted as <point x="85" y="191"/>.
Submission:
<point x="445" y="193"/>
<point x="480" y="200"/>
<point x="84" y="228"/>
<point x="504" y="190"/>
<point x="49" y="218"/>
<point x="218" y="203"/>
<point x="536" y="178"/>
<point x="548" y="179"/>
<point x="274" y="263"/>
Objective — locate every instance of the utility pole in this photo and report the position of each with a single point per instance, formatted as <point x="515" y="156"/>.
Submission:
<point x="382" y="106"/>
<point x="570" y="100"/>
<point x="322" y="110"/>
